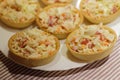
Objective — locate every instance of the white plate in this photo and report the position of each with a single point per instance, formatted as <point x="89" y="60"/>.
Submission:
<point x="63" y="60"/>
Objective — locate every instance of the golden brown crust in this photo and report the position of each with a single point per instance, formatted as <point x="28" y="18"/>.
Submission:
<point x="60" y="35"/>
<point x="89" y="57"/>
<point x="47" y="3"/>
<point x="19" y="25"/>
<point x="16" y="25"/>
<point x="30" y="61"/>
<point x="104" y="20"/>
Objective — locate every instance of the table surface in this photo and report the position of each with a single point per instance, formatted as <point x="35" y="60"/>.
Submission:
<point x="105" y="69"/>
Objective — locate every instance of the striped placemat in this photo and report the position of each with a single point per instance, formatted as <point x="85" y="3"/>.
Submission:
<point x="106" y="69"/>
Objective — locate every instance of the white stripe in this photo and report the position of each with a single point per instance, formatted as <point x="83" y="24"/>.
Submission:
<point x="67" y="72"/>
<point x="30" y="72"/>
<point x="84" y="67"/>
<point x="7" y="74"/>
<point x="99" y="71"/>
<point x="106" y="74"/>
<point x="116" y="48"/>
<point x="118" y="76"/>
<point x="36" y="73"/>
<point x="114" y="70"/>
<point x="4" y="62"/>
<point x="90" y="72"/>
<point x="4" y="69"/>
<point x="15" y="68"/>
<point x="20" y="76"/>
<point x="30" y="75"/>
<point x="103" y="68"/>
<point x="107" y="66"/>
<point x="48" y="74"/>
<point x="3" y="75"/>
<point x="75" y="71"/>
<point x="110" y="73"/>
<point x="26" y="71"/>
<point x="82" y="74"/>
<point x="93" y="64"/>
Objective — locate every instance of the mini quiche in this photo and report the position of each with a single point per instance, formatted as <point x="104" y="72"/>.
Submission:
<point x="97" y="11"/>
<point x="18" y="13"/>
<point x="92" y="42"/>
<point x="48" y="2"/>
<point x="33" y="47"/>
<point x="59" y="19"/>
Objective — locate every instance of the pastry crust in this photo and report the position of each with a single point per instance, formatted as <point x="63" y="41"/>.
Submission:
<point x="56" y="25"/>
<point x="46" y="2"/>
<point x="101" y="14"/>
<point x="18" y="14"/>
<point x="33" y="47"/>
<point x="89" y="49"/>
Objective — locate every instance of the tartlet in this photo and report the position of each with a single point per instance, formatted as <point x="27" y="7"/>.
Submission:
<point x="33" y="47"/>
<point x="59" y="19"/>
<point x="100" y="11"/>
<point x="92" y="42"/>
<point x="18" y="13"/>
<point x="49" y="2"/>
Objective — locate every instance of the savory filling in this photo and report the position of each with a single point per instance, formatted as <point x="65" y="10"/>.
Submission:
<point x="56" y="1"/>
<point x="18" y="10"/>
<point x="101" y="8"/>
<point x="89" y="39"/>
<point x="34" y="43"/>
<point x="59" y="19"/>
